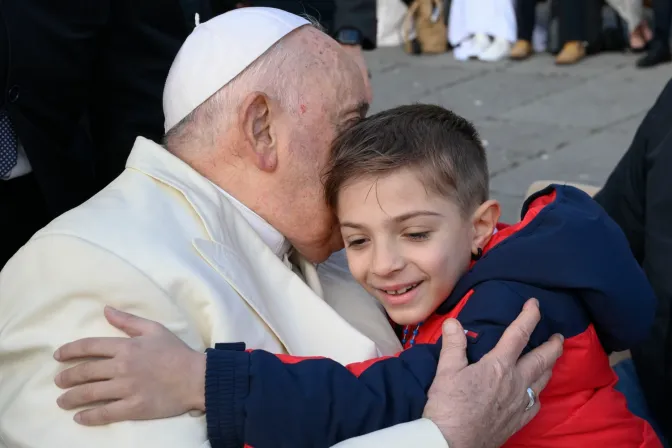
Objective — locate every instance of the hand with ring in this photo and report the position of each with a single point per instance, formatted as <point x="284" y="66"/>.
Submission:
<point x="483" y="404"/>
<point x="533" y="399"/>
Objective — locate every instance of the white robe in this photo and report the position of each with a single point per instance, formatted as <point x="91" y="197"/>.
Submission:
<point x="493" y="17"/>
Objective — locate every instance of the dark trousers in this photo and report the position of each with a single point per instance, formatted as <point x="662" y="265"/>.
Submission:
<point x="662" y="17"/>
<point x="638" y="196"/>
<point x="570" y="19"/>
<point x="22" y="213"/>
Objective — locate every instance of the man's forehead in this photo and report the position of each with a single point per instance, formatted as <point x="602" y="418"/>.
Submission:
<point x="332" y="72"/>
<point x="348" y="88"/>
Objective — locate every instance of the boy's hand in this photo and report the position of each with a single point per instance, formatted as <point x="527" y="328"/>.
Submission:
<point x="151" y="375"/>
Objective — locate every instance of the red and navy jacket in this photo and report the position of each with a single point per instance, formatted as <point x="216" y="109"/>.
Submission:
<point x="566" y="252"/>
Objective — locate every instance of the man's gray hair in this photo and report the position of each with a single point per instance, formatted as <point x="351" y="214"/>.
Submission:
<point x="267" y="74"/>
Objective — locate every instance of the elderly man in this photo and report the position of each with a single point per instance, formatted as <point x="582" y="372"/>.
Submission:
<point x="215" y="236"/>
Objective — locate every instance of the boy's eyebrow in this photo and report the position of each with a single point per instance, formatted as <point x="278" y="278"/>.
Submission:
<point x="352" y="225"/>
<point x="400" y="218"/>
<point x="409" y="215"/>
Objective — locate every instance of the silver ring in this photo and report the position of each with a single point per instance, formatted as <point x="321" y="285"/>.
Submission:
<point x="533" y="399"/>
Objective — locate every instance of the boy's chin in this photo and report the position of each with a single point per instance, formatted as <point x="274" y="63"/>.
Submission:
<point x="407" y="316"/>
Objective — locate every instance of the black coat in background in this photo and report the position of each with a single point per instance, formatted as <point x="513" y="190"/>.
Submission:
<point x="638" y="196"/>
<point x="82" y="79"/>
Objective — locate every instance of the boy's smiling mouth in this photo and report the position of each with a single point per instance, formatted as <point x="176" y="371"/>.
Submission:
<point x="399" y="294"/>
<point x="399" y="290"/>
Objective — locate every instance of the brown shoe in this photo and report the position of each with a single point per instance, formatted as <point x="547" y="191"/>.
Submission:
<point x="522" y="49"/>
<point x="571" y="53"/>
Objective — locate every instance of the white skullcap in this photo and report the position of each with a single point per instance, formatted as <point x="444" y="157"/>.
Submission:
<point x="219" y="50"/>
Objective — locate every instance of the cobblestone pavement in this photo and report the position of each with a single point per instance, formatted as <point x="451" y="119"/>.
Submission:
<point x="539" y="121"/>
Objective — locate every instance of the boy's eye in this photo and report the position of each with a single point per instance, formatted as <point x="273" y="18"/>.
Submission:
<point x="356" y="242"/>
<point x="418" y="236"/>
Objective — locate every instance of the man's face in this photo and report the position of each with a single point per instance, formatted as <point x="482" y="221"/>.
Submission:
<point x="333" y="97"/>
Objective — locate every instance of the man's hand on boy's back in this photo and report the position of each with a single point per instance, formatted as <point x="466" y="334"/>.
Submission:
<point x="478" y="405"/>
<point x="483" y="404"/>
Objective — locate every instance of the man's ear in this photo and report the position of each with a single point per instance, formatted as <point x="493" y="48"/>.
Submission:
<point x="484" y="220"/>
<point x="255" y="118"/>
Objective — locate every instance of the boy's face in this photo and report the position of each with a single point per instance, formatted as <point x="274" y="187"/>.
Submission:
<point x="407" y="246"/>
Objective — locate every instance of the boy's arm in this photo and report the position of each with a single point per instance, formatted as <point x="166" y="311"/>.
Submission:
<point x="491" y="309"/>
<point x="261" y="400"/>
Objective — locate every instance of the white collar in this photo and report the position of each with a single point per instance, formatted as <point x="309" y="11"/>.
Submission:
<point x="273" y="239"/>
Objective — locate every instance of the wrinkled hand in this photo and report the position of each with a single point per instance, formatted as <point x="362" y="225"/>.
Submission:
<point x="151" y="375"/>
<point x="355" y="52"/>
<point x="483" y="404"/>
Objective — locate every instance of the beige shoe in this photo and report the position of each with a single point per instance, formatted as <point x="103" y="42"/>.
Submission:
<point x="522" y="49"/>
<point x="571" y="53"/>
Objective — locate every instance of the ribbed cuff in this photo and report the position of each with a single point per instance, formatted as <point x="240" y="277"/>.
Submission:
<point x="227" y="379"/>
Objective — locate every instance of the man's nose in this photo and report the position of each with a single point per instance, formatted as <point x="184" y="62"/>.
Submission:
<point x="386" y="259"/>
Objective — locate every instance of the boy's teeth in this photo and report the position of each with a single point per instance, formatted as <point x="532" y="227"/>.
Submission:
<point x="400" y="291"/>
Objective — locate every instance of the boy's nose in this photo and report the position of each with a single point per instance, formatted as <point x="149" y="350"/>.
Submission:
<point x="386" y="260"/>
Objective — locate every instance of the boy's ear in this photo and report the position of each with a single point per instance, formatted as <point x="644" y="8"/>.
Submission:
<point x="484" y="220"/>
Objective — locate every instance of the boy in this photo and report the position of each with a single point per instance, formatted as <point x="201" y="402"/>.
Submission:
<point x="410" y="187"/>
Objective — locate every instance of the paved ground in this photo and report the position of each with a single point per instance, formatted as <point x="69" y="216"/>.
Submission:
<point x="539" y="121"/>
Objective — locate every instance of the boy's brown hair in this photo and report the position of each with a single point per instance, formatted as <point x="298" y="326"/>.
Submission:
<point x="443" y="147"/>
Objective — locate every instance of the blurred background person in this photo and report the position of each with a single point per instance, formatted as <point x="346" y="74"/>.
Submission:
<point x="632" y="12"/>
<point x="574" y="27"/>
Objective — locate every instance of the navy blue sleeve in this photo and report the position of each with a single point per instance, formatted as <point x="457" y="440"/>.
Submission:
<point x="494" y="305"/>
<point x="490" y="310"/>
<point x="266" y="400"/>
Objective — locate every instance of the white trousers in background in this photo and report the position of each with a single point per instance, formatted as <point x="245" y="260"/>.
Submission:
<point x="390" y="15"/>
<point x="494" y="17"/>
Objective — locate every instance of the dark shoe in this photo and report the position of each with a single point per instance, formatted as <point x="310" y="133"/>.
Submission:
<point x="659" y="53"/>
<point x="639" y="50"/>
